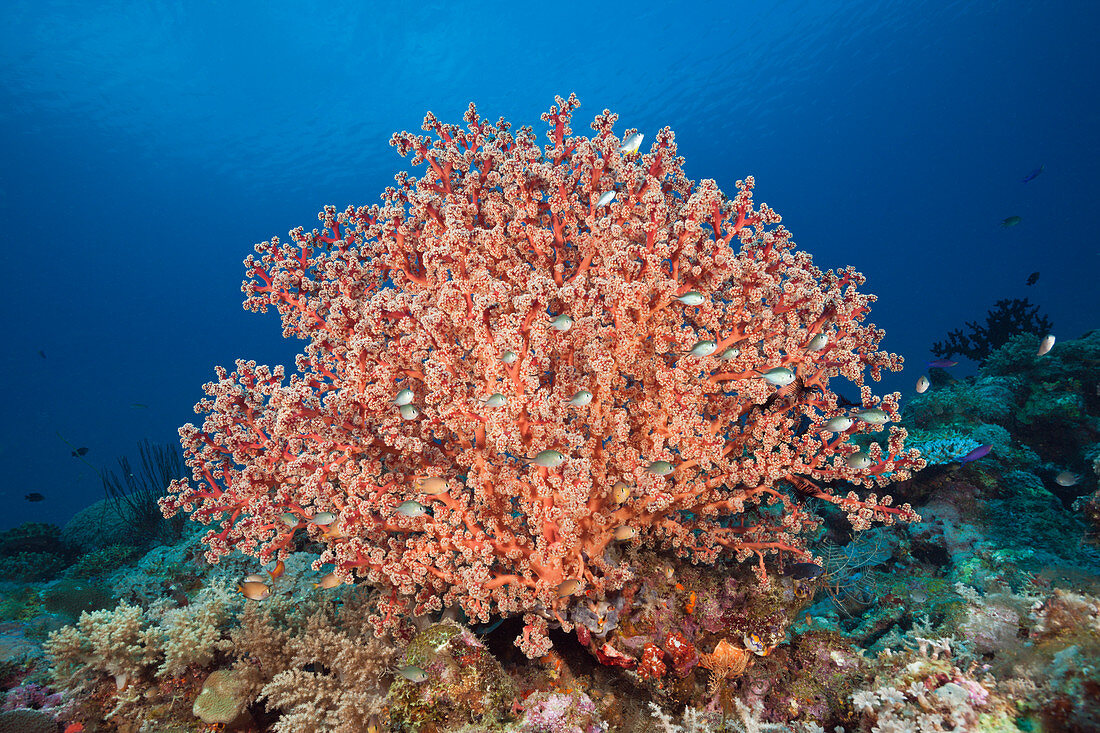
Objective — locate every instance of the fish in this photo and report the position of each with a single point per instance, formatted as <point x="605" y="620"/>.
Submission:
<point x="496" y="400"/>
<point x="278" y="570"/>
<point x="1046" y="344"/>
<point x="624" y="532"/>
<point x="620" y="492"/>
<point x="858" y="461"/>
<point x="508" y="357"/>
<point x="323" y="519"/>
<point x="333" y="532"/>
<point x="290" y="519"/>
<point x="580" y="398"/>
<point x="254" y="590"/>
<point x="703" y="348"/>
<point x="408" y="412"/>
<point x="139" y="405"/>
<point x="329" y="580"/>
<point x="731" y="353"/>
<point x="1033" y="175"/>
<point x="1033" y="278"/>
<point x="403" y="397"/>
<point x="412" y="673"/>
<point x="872" y="416"/>
<point x="411" y="508"/>
<point x="548" y="459"/>
<point x="779" y="376"/>
<point x="562" y="323"/>
<point x="42" y="353"/>
<point x="568" y="587"/>
<point x="754" y="644"/>
<point x="1011" y="221"/>
<point x="34" y="496"/>
<point x="803" y="570"/>
<point x="254" y="578"/>
<point x="839" y="424"/>
<point x="1067" y="479"/>
<point x="606" y="198"/>
<point x="660" y="468"/>
<point x="431" y="485"/>
<point x="81" y="451"/>
<point x="980" y="452"/>
<point x="923" y="384"/>
<point x="632" y="143"/>
<point x="691" y="298"/>
<point x="818" y="342"/>
<point x="942" y="363"/>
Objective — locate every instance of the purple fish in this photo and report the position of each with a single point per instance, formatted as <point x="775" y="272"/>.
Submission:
<point x="1033" y="175"/>
<point x="943" y="363"/>
<point x="980" y="452"/>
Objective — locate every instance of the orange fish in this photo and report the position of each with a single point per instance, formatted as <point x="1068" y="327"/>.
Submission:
<point x="277" y="571"/>
<point x="74" y="728"/>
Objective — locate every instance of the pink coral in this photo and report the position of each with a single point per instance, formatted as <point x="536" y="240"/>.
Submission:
<point x="662" y="349"/>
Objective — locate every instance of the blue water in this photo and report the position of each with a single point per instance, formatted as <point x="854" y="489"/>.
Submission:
<point x="145" y="146"/>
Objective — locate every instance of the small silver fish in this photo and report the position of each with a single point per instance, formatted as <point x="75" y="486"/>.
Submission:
<point x="403" y="397"/>
<point x="581" y="398"/>
<point x="1067" y="478"/>
<point x="691" y="298"/>
<point x="323" y="519"/>
<point x="632" y="143"/>
<point x="562" y="323"/>
<point x="409" y="412"/>
<point x="704" y="348"/>
<point x="548" y="459"/>
<point x="818" y="342"/>
<point x="496" y="400"/>
<point x="780" y="376"/>
<point x="509" y="357"/>
<point x="411" y="508"/>
<point x="838" y="424"/>
<point x="605" y="199"/>
<point x="290" y="519"/>
<point x="859" y="461"/>
<point x="731" y="353"/>
<point x="660" y="468"/>
<point x="923" y="384"/>
<point x="1046" y="344"/>
<point x="412" y="673"/>
<point x="872" y="416"/>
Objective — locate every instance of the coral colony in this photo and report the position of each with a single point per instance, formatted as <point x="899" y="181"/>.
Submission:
<point x="531" y="358"/>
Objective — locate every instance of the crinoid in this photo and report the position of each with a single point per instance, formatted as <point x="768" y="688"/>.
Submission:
<point x="848" y="580"/>
<point x="725" y="662"/>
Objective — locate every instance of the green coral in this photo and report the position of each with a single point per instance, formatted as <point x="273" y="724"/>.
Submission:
<point x="69" y="597"/>
<point x="30" y="567"/>
<point x="20" y="605"/>
<point x="30" y="537"/>
<point x="102" y="562"/>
